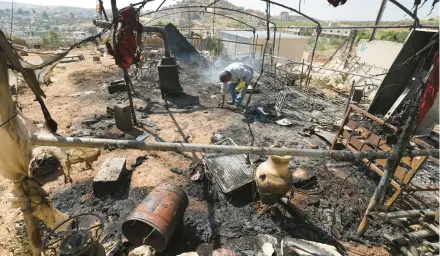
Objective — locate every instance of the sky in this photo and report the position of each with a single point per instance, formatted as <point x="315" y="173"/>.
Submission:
<point x="319" y="9"/>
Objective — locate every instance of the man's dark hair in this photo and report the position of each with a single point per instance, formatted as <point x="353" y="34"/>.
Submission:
<point x="225" y="76"/>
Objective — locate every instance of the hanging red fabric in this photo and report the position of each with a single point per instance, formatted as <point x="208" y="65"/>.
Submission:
<point x="431" y="91"/>
<point x="127" y="45"/>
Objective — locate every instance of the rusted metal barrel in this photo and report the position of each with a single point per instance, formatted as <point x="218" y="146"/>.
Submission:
<point x="156" y="217"/>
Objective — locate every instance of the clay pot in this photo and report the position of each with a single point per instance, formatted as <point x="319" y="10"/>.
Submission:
<point x="273" y="179"/>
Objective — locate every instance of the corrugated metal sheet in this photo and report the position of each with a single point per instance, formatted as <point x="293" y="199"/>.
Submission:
<point x="231" y="172"/>
<point x="179" y="46"/>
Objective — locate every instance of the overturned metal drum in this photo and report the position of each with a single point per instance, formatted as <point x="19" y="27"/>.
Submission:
<point x="156" y="217"/>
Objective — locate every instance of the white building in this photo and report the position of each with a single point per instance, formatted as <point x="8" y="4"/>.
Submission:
<point x="342" y="32"/>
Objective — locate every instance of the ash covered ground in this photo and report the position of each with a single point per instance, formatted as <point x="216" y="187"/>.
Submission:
<point x="334" y="204"/>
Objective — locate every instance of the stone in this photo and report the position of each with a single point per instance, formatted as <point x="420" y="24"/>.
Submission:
<point x="216" y="137"/>
<point x="122" y="115"/>
<point x="267" y="249"/>
<point x="302" y="175"/>
<point x="109" y="177"/>
<point x="118" y="87"/>
<point x="294" y="247"/>
<point x="143" y="250"/>
<point x="189" y="254"/>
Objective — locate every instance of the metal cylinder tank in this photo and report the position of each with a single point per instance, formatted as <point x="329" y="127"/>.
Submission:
<point x="156" y="217"/>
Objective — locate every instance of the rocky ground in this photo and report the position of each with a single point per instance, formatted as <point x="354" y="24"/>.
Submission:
<point x="78" y="100"/>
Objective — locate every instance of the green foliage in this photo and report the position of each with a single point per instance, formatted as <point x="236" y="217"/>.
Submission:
<point x="214" y="45"/>
<point x="335" y="42"/>
<point x="306" y="33"/>
<point x="44" y="15"/>
<point x="52" y="38"/>
<point x="393" y="36"/>
<point x="363" y="34"/>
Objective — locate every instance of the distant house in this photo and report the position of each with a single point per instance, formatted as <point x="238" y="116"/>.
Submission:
<point x="338" y="32"/>
<point x="288" y="46"/>
<point x="285" y="16"/>
<point x="78" y="35"/>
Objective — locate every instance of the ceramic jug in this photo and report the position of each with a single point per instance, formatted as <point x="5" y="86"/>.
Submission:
<point x="273" y="178"/>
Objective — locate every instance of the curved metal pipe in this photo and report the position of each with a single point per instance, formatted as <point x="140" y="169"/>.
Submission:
<point x="220" y="8"/>
<point x="164" y="34"/>
<point x="190" y="11"/>
<point x="403" y="8"/>
<point x="148" y="29"/>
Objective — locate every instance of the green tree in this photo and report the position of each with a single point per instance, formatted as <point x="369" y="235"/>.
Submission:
<point x="401" y="36"/>
<point x="306" y="33"/>
<point x="214" y="45"/>
<point x="388" y="35"/>
<point x="52" y="38"/>
<point x="363" y="34"/>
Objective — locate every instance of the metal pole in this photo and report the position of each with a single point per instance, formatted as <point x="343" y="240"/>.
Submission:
<point x="257" y="43"/>
<point x="432" y="227"/>
<point x="302" y="73"/>
<point x="379" y="17"/>
<point x="60" y="141"/>
<point x="226" y="41"/>
<point x="419" y="234"/>
<point x="390" y="166"/>
<point x="362" y="27"/>
<point x="350" y="48"/>
<point x="279" y="45"/>
<point x="398" y="214"/>
<point x="253" y="46"/>
<point x="236" y="40"/>
<point x="278" y="53"/>
<point x="12" y="18"/>
<point x="130" y="99"/>
<point x="318" y="32"/>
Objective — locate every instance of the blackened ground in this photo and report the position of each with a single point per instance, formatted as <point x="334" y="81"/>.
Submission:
<point x="334" y="204"/>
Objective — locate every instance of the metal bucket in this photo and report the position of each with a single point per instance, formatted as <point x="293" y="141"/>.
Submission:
<point x="156" y="217"/>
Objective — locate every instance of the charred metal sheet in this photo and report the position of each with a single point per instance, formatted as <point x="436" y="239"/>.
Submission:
<point x="402" y="70"/>
<point x="180" y="47"/>
<point x="230" y="171"/>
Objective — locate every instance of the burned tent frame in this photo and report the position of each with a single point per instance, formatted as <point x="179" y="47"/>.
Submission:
<point x="60" y="141"/>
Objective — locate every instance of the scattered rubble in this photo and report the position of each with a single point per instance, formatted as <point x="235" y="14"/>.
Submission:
<point x="109" y="178"/>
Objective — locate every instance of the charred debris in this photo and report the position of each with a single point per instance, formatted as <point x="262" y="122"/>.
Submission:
<point x="303" y="169"/>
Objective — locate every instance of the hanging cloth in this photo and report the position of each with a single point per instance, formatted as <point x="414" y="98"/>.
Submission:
<point x="430" y="91"/>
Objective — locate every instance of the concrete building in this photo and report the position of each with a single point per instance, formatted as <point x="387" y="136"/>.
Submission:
<point x="288" y="46"/>
<point x="285" y="16"/>
<point x="339" y="32"/>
